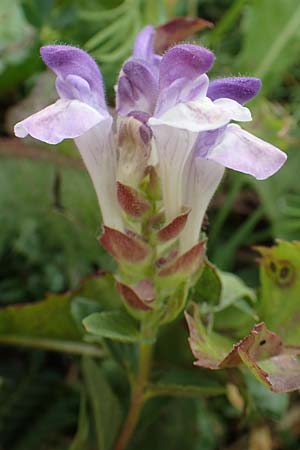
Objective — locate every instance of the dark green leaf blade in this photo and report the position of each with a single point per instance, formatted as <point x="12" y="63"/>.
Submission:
<point x="105" y="405"/>
<point x="116" y="325"/>
<point x="53" y="323"/>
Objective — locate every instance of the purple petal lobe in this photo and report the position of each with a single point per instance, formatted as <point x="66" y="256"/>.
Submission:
<point x="206" y="140"/>
<point x="65" y="60"/>
<point x="143" y="47"/>
<point x="184" y="61"/>
<point x="64" y="119"/>
<point x="137" y="88"/>
<point x="140" y="116"/>
<point x="74" y="87"/>
<point x="241" y="151"/>
<point x="240" y="89"/>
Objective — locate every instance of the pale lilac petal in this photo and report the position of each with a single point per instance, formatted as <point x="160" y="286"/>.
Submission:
<point x="65" y="60"/>
<point x="98" y="152"/>
<point x="234" y="109"/>
<point x="143" y="47"/>
<point x="240" y="89"/>
<point x="202" y="115"/>
<point x="195" y="89"/>
<point x="137" y="88"/>
<point x="74" y="87"/>
<point x="184" y="61"/>
<point x="244" y="152"/>
<point x="201" y="178"/>
<point x="181" y="90"/>
<point x="206" y="140"/>
<point x="125" y="95"/>
<point x="140" y="116"/>
<point x="173" y="147"/>
<point x="62" y="120"/>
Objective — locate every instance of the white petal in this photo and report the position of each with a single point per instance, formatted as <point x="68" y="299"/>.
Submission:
<point x="242" y="151"/>
<point x="201" y="115"/>
<point x="64" y="119"/>
<point x="235" y="110"/>
<point x="98" y="152"/>
<point x="201" y="178"/>
<point x="173" y="148"/>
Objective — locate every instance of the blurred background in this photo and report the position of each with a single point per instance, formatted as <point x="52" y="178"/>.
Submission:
<point x="49" y="217"/>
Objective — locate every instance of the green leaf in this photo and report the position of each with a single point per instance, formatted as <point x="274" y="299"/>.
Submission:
<point x="82" y="307"/>
<point x="233" y="289"/>
<point x="185" y="383"/>
<point x="208" y="288"/>
<point x="81" y="438"/>
<point x="53" y="323"/>
<point x="218" y="290"/>
<point x="116" y="325"/>
<point x="266" y="402"/>
<point x="96" y="294"/>
<point x="236" y="320"/>
<point x="49" y="318"/>
<point x="174" y="304"/>
<point x="105" y="405"/>
<point x="227" y="297"/>
<point x="102" y="289"/>
<point x="235" y="311"/>
<point x="280" y="290"/>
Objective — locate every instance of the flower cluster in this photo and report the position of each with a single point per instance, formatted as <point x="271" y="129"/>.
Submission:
<point x="157" y="165"/>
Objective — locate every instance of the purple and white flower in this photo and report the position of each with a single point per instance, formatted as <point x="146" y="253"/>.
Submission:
<point x="81" y="113"/>
<point x="173" y="100"/>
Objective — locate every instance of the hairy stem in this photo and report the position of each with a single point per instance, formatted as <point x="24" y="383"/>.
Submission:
<point x="137" y="396"/>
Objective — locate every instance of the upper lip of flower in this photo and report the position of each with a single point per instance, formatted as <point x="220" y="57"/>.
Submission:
<point x="82" y="102"/>
<point x="155" y="84"/>
<point x="146" y="83"/>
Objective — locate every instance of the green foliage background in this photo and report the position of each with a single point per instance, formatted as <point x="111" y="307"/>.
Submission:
<point x="50" y="221"/>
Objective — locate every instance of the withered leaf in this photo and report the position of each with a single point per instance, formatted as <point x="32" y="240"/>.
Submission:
<point x="262" y="351"/>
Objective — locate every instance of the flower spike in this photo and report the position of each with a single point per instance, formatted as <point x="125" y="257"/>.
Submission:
<point x="157" y="162"/>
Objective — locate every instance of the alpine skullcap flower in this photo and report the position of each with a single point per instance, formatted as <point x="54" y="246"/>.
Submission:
<point x="81" y="113"/>
<point x="169" y="116"/>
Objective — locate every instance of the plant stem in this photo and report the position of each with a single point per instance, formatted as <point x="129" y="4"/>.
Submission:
<point x="137" y="396"/>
